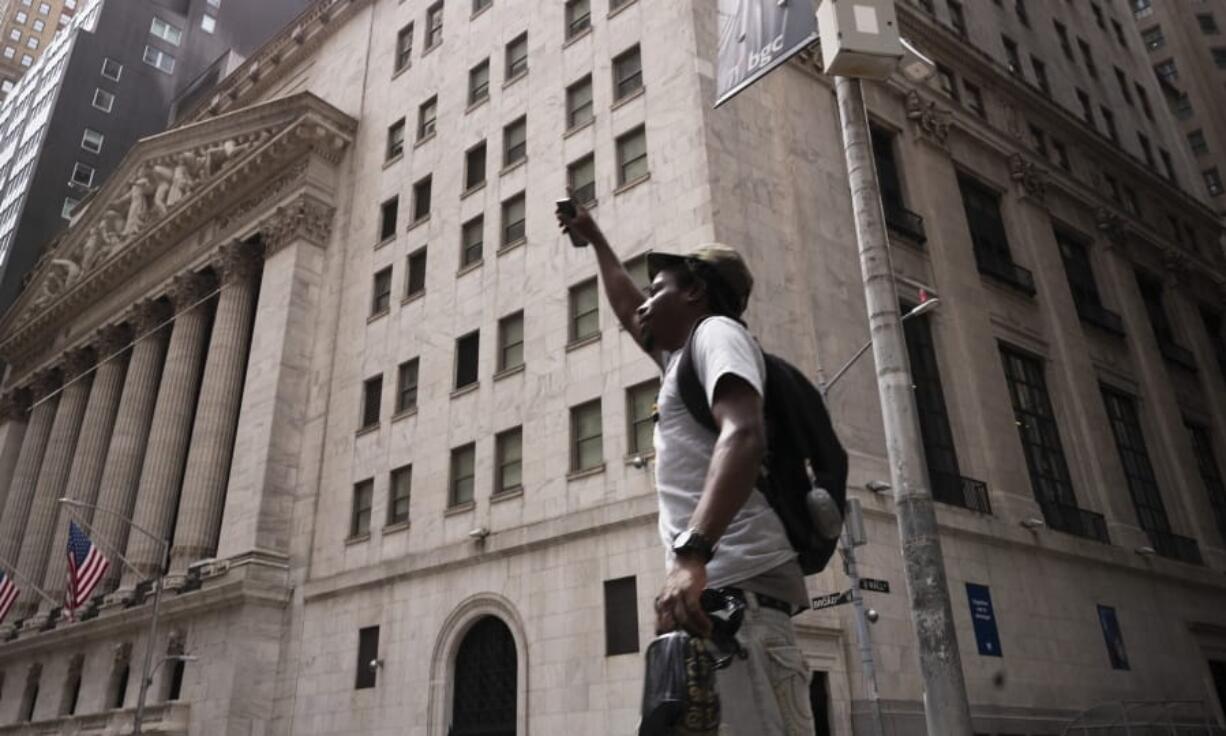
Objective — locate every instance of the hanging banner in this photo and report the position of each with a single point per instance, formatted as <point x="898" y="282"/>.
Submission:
<point x="755" y="36"/>
<point x="1113" y="637"/>
<point x="983" y="618"/>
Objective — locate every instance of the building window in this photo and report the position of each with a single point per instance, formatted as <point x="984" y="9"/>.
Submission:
<point x="400" y="489"/>
<point x="359" y="518"/>
<point x="44" y="8"/>
<point x="627" y="73"/>
<point x="639" y="273"/>
<point x="1109" y="124"/>
<point x="479" y="5"/>
<point x="587" y="443"/>
<point x="1098" y="16"/>
<point x="421" y="198"/>
<point x="467" y="352"/>
<point x="1022" y="14"/>
<point x="641" y="416"/>
<point x="103" y="100"/>
<point x="579" y="103"/>
<point x="515" y="142"/>
<point x="479" y="83"/>
<point x="1197" y="142"/>
<point x="632" y="156"/>
<point x="1210" y="473"/>
<point x="381" y="294"/>
<point x="987" y="228"/>
<point x="471" y="239"/>
<point x="159" y="59"/>
<point x="1119" y="33"/>
<point x="1146" y="149"/>
<point x="1125" y="90"/>
<point x="1080" y="275"/>
<point x="1087" y="110"/>
<point x="9" y="52"/>
<point x="486" y="673"/>
<point x="581" y="180"/>
<point x="416" y="282"/>
<point x="1168" y="167"/>
<point x="67" y="208"/>
<point x="1181" y="105"/>
<point x="957" y="18"/>
<point x="111" y="69"/>
<point x="427" y="115"/>
<point x="511" y="342"/>
<point x="1213" y="326"/>
<point x="1062" y="34"/>
<point x="584" y="310"/>
<point x="514" y="212"/>
<point x="974" y="99"/>
<point x="621" y="616"/>
<point x="434" y="25"/>
<point x="29" y="697"/>
<point x="1088" y="57"/>
<point x="395" y="140"/>
<point x="463" y="472"/>
<point x="1040" y="75"/>
<point x="1207" y="23"/>
<point x="1062" y="155"/>
<point x="1143" y="96"/>
<point x="32" y="42"/>
<point x="82" y="175"/>
<point x="1151" y="295"/>
<point x="517" y="56"/>
<point x="165" y="31"/>
<point x="1012" y="59"/>
<point x="406" y="386"/>
<point x="372" y="398"/>
<point x="948" y="82"/>
<point x="404" y="47"/>
<point x="21" y="17"/>
<point x="1153" y="38"/>
<point x="578" y="17"/>
<point x="509" y="451"/>
<point x="208" y="23"/>
<point x="15" y="35"/>
<point x="474" y="167"/>
<point x="388" y="212"/>
<point x="72" y="686"/>
<point x="1038" y="140"/>
<point x="1167" y="71"/>
<point x="1142" y="8"/>
<point x="1213" y="181"/>
<point x="121" y="670"/>
<point x="368" y="657"/>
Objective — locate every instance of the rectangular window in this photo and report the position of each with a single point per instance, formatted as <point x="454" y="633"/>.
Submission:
<point x="103" y="100"/>
<point x="974" y="99"/>
<point x="1213" y="181"/>
<point x="67" y="208"/>
<point x="1207" y="23"/>
<point x="621" y="616"/>
<point x="406" y="386"/>
<point x="587" y="444"/>
<point x="159" y="59"/>
<point x="388" y="212"/>
<point x="948" y="81"/>
<point x="514" y="212"/>
<point x="372" y="398"/>
<point x="641" y="416"/>
<point x="463" y="473"/>
<point x="578" y="17"/>
<point x="1146" y="149"/>
<point x="82" y="175"/>
<point x="1012" y="59"/>
<point x="395" y="140"/>
<point x="581" y="180"/>
<point x="1168" y="166"/>
<point x="1119" y="33"/>
<point x="434" y="25"/>
<point x="381" y="294"/>
<point x="1181" y="105"/>
<point x="1217" y="338"/>
<point x="1153" y="38"/>
<point x="404" y="47"/>
<point x="515" y="142"/>
<point x="584" y="310"/>
<point x="208" y="24"/>
<point x="1022" y="14"/>
<point x="479" y="83"/>
<point x="368" y="655"/>
<point x="627" y="73"/>
<point x="1219" y="56"/>
<point x="1210" y="473"/>
<point x="987" y="228"/>
<point x="579" y="103"/>
<point x="1098" y="16"/>
<point x="1087" y="110"/>
<point x="1038" y="140"/>
<point x="632" y="156"/>
<point x="1040" y="75"/>
<point x="165" y="31"/>
<point x="957" y="18"/>
<point x="1167" y="71"/>
<point x="1109" y="124"/>
<point x="421" y="198"/>
<point x="1151" y="295"/>
<point x="472" y="235"/>
<point x="479" y="5"/>
<point x="511" y="342"/>
<point x="1062" y="155"/>
<point x="467" y="352"/>
<point x="1088" y="57"/>
<point x="400" y="489"/>
<point x="359" y="518"/>
<point x="517" y="56"/>
<point x="111" y="69"/>
<point x="1125" y="90"/>
<point x="1143" y="96"/>
<point x="474" y="167"/>
<point x="509" y="451"/>
<point x="1080" y="275"/>
<point x="427" y="114"/>
<point x="1062" y="34"/>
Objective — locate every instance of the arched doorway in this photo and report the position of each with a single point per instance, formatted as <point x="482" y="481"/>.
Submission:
<point x="485" y="681"/>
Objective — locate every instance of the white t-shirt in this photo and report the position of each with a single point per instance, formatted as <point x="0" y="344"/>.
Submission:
<point x="755" y="543"/>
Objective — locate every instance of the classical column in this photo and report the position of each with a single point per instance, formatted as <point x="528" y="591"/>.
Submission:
<point x="53" y="477"/>
<point x="25" y="474"/>
<point x="221" y="390"/>
<point x="89" y="460"/>
<point x="162" y="472"/>
<point x="126" y="451"/>
<point x="14" y="415"/>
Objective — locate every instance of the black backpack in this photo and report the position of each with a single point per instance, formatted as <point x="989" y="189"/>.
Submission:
<point x="799" y="437"/>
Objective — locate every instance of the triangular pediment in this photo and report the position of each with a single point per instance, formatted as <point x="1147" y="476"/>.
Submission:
<point x="169" y="184"/>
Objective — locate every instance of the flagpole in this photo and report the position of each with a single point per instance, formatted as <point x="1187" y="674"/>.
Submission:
<point x="17" y="574"/>
<point x="97" y="538"/>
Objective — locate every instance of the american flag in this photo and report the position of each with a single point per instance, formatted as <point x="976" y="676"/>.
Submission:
<point x="86" y="566"/>
<point x="8" y="594"/>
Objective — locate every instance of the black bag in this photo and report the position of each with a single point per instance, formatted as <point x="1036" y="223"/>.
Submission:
<point x="803" y="451"/>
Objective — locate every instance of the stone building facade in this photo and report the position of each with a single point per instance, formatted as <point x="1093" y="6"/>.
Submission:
<point x="344" y="362"/>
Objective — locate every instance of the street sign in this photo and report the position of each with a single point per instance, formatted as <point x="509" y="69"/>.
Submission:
<point x="755" y="36"/>
<point x="830" y="600"/>
<point x="875" y="585"/>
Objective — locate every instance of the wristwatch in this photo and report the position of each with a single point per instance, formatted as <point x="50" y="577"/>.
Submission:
<point x="692" y="542"/>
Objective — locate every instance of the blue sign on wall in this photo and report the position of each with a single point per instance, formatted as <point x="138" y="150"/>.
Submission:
<point x="1113" y="637"/>
<point x="984" y="620"/>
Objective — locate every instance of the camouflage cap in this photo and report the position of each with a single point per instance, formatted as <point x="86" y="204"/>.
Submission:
<point x="733" y="276"/>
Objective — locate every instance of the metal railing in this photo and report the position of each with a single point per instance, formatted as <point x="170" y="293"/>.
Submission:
<point x="1006" y="271"/>
<point x="1174" y="546"/>
<point x="1146" y="718"/>
<point x="956" y="490"/>
<point x="1076" y="521"/>
<point x="906" y="223"/>
<point x="1100" y="316"/>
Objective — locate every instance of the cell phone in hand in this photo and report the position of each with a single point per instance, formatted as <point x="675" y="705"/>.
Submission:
<point x="566" y="207"/>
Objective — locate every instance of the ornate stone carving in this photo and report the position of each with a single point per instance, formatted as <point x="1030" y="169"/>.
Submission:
<point x="43" y="384"/>
<point x="292" y="175"/>
<point x="110" y="340"/>
<point x="1031" y="178"/>
<point x="931" y="121"/>
<point x="77" y="363"/>
<point x="236" y="261"/>
<point x="188" y="288"/>
<point x="14" y="404"/>
<point x="146" y="315"/>
<point x="305" y="218"/>
<point x="1111" y="226"/>
<point x="121" y="653"/>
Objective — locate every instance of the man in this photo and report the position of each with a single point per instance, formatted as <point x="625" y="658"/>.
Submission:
<point x="718" y="530"/>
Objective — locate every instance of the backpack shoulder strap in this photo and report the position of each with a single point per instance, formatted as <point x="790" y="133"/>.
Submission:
<point x="692" y="393"/>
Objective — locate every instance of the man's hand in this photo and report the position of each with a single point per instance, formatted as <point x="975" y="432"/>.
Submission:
<point x="678" y="606"/>
<point x="581" y="224"/>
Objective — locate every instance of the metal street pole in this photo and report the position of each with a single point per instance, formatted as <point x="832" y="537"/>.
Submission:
<point x="945" y="705"/>
<point x="852" y="529"/>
